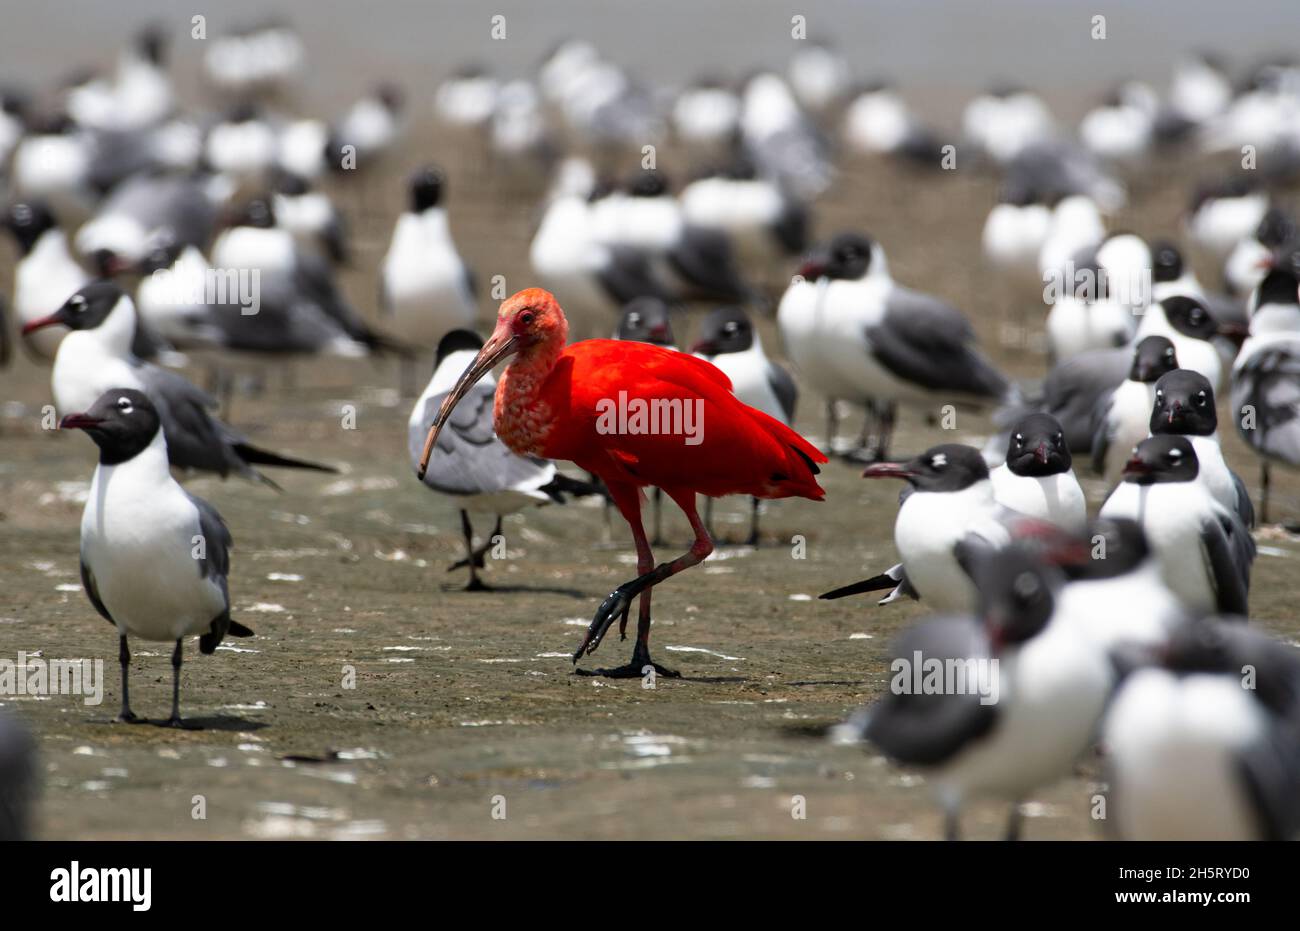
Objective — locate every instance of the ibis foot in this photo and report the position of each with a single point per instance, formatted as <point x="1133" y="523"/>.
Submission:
<point x="638" y="668"/>
<point x="475" y="584"/>
<point x="180" y="723"/>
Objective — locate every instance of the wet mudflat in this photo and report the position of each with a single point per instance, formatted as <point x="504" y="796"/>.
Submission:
<point x="465" y="719"/>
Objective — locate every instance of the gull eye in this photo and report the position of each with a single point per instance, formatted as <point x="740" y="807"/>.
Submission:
<point x="1025" y="586"/>
<point x="1200" y="398"/>
<point x="1175" y="455"/>
<point x="124" y="405"/>
<point x="1169" y="353"/>
<point x="1020" y="440"/>
<point x="633" y="320"/>
<point x="731" y="327"/>
<point x="1160" y="395"/>
<point x="1058" y="438"/>
<point x="78" y="303"/>
<point x="938" y="461"/>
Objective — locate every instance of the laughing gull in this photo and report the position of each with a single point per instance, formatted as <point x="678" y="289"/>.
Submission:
<point x="1027" y="705"/>
<point x="53" y="162"/>
<point x="1224" y="213"/>
<point x="781" y="140"/>
<point x="728" y="340"/>
<point x="45" y="275"/>
<point x="372" y="124"/>
<point x="145" y="208"/>
<point x="242" y="146"/>
<point x="1172" y="278"/>
<point x="1015" y="231"/>
<point x="878" y="120"/>
<point x="1005" y="121"/>
<point x="762" y="221"/>
<point x="467" y="97"/>
<point x="1037" y="479"/>
<point x="706" y="113"/>
<point x="262" y="59"/>
<point x="1076" y="228"/>
<point x="949" y="499"/>
<point x="644" y="216"/>
<point x="1265" y="388"/>
<point x="425" y="285"/>
<point x="1123" y="417"/>
<point x="591" y="277"/>
<point x="469" y="463"/>
<point x="896" y="345"/>
<point x="96" y="356"/>
<point x="1087" y="318"/>
<point x="18" y="779"/>
<point x="254" y="241"/>
<point x="1252" y="256"/>
<point x="192" y="305"/>
<point x="154" y="558"/>
<point x="138" y="96"/>
<point x="1204" y="549"/>
<point x="1188" y="324"/>
<point x="310" y="215"/>
<point x="1122" y="128"/>
<point x="1184" y="406"/>
<point x="1193" y="753"/>
<point x="1116" y="594"/>
<point x="818" y="75"/>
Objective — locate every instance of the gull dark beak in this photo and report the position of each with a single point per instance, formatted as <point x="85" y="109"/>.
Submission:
<point x="79" y="422"/>
<point x="1235" y="332"/>
<point x="1136" y="466"/>
<point x="1041" y="453"/>
<point x="705" y="347"/>
<point x="502" y="343"/>
<point x="1174" y="410"/>
<point x="888" y="470"/>
<point x="41" y="323"/>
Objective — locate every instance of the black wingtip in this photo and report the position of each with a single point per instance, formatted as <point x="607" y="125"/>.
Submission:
<point x="874" y="584"/>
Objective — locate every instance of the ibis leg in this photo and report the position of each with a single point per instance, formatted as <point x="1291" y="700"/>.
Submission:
<point x="753" y="522"/>
<point x="619" y="602"/>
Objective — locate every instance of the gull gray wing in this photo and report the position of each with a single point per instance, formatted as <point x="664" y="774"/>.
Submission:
<point x="926" y="341"/>
<point x="926" y="729"/>
<point x="195" y="439"/>
<point x="784" y="388"/>
<point x="1228" y="551"/>
<point x="1268" y="383"/>
<point x="92" y="592"/>
<point x="469" y="459"/>
<point x="1073" y="389"/>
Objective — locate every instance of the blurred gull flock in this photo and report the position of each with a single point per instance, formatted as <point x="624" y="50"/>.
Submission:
<point x="1039" y="268"/>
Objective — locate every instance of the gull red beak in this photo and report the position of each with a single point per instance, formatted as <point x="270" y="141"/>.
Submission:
<point x="79" y="422"/>
<point x="888" y="470"/>
<point x="41" y="323"/>
<point x="1235" y="332"/>
<point x="1041" y="453"/>
<point x="811" y="270"/>
<point x="1174" y="410"/>
<point x="501" y="344"/>
<point x="705" y="347"/>
<point x="1136" y="466"/>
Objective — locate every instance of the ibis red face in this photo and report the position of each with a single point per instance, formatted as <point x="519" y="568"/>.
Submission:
<point x="524" y="320"/>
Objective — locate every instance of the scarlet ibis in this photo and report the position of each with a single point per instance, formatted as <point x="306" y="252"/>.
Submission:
<point x="563" y="402"/>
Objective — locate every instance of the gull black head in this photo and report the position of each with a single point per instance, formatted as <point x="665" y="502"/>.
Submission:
<point x="1152" y="357"/>
<point x="646" y="320"/>
<point x="846" y="258"/>
<point x="1113" y="547"/>
<point x="1275" y="229"/>
<point x="1160" y="459"/>
<point x="1017" y="590"/>
<point x="256" y="213"/>
<point x="947" y="467"/>
<point x="151" y="45"/>
<point x="85" y="310"/>
<point x="28" y="221"/>
<point x="1166" y="262"/>
<point x="649" y="182"/>
<point x="289" y="183"/>
<point x="458" y="341"/>
<point x="1189" y="317"/>
<point x="1184" y="405"/>
<point x="1037" y="447"/>
<point x="162" y="255"/>
<point x="1282" y="283"/>
<point x="392" y="97"/>
<point x="122" y="422"/>
<point x="727" y="329"/>
<point x="426" y="186"/>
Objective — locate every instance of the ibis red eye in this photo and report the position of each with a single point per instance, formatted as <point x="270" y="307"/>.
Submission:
<point x="526" y="317"/>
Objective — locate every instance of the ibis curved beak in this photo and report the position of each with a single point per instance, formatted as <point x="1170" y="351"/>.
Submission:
<point x="501" y="344"/>
<point x="41" y="323"/>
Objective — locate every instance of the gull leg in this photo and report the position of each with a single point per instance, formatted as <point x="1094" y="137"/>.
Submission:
<point x="126" y="716"/>
<point x="175" y="719"/>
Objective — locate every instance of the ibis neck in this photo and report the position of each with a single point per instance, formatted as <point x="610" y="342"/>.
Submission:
<point x="521" y="414"/>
